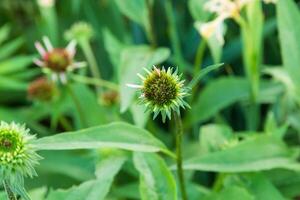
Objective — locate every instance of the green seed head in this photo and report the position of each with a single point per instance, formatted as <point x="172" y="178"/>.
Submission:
<point x="80" y="31"/>
<point x="162" y="92"/>
<point x="17" y="154"/>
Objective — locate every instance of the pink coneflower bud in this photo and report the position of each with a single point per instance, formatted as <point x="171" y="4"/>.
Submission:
<point x="41" y="89"/>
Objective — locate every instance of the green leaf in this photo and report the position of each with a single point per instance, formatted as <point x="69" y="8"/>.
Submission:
<point x="213" y="137"/>
<point x="95" y="189"/>
<point x="133" y="60"/>
<point x="288" y="16"/>
<point x="15" y="64"/>
<point x="137" y="11"/>
<point x="262" y="188"/>
<point x="223" y="92"/>
<point x="229" y="90"/>
<point x="115" y="135"/>
<point x="197" y="10"/>
<point x="156" y="180"/>
<point x="232" y="193"/>
<point x="254" y="154"/>
<point x="202" y="73"/>
<point x="4" y="32"/>
<point x="11" y="47"/>
<point x="7" y="83"/>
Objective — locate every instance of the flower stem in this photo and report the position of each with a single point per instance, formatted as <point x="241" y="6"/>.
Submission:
<point x="9" y="193"/>
<point x="87" y="50"/>
<point x="77" y="105"/>
<point x="150" y="31"/>
<point x="179" y="133"/>
<point x="96" y="82"/>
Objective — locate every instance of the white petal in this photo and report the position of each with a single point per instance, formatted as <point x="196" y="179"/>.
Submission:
<point x="71" y="48"/>
<point x="39" y="62"/>
<point x="40" y="48"/>
<point x="77" y="65"/>
<point x="139" y="75"/>
<point x="63" y="78"/>
<point x="47" y="43"/>
<point x="54" y="77"/>
<point x="134" y="86"/>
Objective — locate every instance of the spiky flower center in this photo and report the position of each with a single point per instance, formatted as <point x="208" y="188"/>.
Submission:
<point x="57" y="60"/>
<point x="160" y="88"/>
<point x="11" y="147"/>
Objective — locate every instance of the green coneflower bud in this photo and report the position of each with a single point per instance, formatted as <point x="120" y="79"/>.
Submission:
<point x="162" y="92"/>
<point x="41" y="89"/>
<point x="80" y="31"/>
<point x="17" y="154"/>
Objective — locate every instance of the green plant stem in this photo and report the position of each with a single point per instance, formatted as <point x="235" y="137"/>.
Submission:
<point x="9" y="193"/>
<point x="87" y="50"/>
<point x="77" y="105"/>
<point x="150" y="29"/>
<point x="173" y="34"/>
<point x="96" y="82"/>
<point x="199" y="56"/>
<point x="179" y="134"/>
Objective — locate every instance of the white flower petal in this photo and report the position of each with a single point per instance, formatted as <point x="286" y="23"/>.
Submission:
<point x="134" y="86"/>
<point x="40" y="48"/>
<point x="39" y="62"/>
<point x="47" y="43"/>
<point x="71" y="48"/>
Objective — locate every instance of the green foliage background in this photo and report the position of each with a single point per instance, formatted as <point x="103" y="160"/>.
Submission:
<point x="241" y="135"/>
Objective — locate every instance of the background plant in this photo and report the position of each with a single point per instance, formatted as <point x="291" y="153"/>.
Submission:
<point x="241" y="135"/>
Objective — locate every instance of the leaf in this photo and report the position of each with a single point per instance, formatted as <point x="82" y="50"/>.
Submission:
<point x="288" y="182"/>
<point x="213" y="137"/>
<point x="79" y="166"/>
<point x="133" y="60"/>
<point x="7" y="83"/>
<point x="11" y="47"/>
<point x="229" y="90"/>
<point x="202" y="73"/>
<point x="262" y="188"/>
<point x="255" y="154"/>
<point x="156" y="180"/>
<point x="15" y="64"/>
<point x="288" y="16"/>
<point x="223" y="92"/>
<point x="197" y="10"/>
<point x="4" y="32"/>
<point x="95" y="189"/>
<point x="232" y="193"/>
<point x="115" y="135"/>
<point x="136" y="10"/>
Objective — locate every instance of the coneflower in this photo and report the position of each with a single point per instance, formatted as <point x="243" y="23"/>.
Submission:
<point x="162" y="91"/>
<point x="17" y="156"/>
<point x="57" y="61"/>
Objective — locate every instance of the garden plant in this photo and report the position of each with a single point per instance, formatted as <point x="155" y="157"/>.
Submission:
<point x="149" y="99"/>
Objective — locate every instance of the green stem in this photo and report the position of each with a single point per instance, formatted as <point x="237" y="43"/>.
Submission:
<point x="87" y="50"/>
<point x="96" y="82"/>
<point x="9" y="193"/>
<point x="150" y="29"/>
<point x="179" y="134"/>
<point x="199" y="56"/>
<point x="173" y="34"/>
<point x="77" y="105"/>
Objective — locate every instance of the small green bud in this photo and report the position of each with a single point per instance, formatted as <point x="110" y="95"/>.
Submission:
<point x="80" y="31"/>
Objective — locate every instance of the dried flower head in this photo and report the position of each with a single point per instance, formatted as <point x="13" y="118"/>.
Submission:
<point x="162" y="92"/>
<point x="109" y="97"/>
<point x="17" y="153"/>
<point x="57" y="60"/>
<point x="41" y="89"/>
